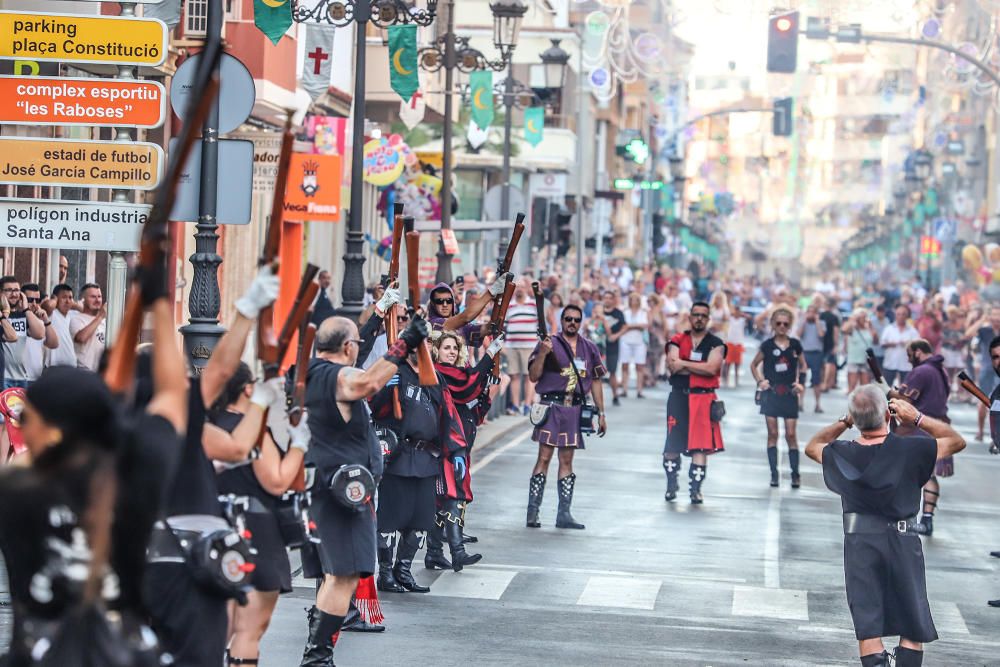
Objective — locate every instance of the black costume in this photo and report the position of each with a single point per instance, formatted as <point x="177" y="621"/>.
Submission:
<point x="780" y="369"/>
<point x="272" y="571"/>
<point x="879" y="487"/>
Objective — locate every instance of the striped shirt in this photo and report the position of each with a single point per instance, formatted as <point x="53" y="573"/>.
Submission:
<point x="522" y="326"/>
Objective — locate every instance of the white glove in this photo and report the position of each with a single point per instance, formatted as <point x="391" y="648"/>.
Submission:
<point x="496" y="346"/>
<point x="498" y="285"/>
<point x="390" y="298"/>
<point x="299" y="435"/>
<point x="269" y="394"/>
<point x="884" y="386"/>
<point x="261" y="293"/>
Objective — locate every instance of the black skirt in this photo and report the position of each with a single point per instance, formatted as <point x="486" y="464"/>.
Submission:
<point x="272" y="571"/>
<point x="678" y="410"/>
<point x="406" y="503"/>
<point x="784" y="406"/>
<point x="189" y="621"/>
<point x="886" y="587"/>
<point x="347" y="538"/>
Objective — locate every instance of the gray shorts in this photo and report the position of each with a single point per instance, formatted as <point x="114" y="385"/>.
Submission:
<point x="517" y="360"/>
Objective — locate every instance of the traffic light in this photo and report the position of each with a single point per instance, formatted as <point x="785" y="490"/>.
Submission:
<point x="781" y="120"/>
<point x="930" y="246"/>
<point x="783" y="43"/>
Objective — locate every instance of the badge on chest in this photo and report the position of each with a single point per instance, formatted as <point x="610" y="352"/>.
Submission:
<point x="696" y="355"/>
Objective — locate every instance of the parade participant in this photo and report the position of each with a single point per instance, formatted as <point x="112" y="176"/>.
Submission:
<point x="565" y="367"/>
<point x="190" y="619"/>
<point x="983" y="331"/>
<point x="878" y="477"/>
<point x="76" y="522"/>
<point x="442" y="312"/>
<point x="343" y="434"/>
<point x="695" y="359"/>
<point x="811" y="334"/>
<point x="263" y="482"/>
<point x="927" y="388"/>
<point x="780" y="370"/>
<point x="431" y="462"/>
<point x="994" y="350"/>
<point x="469" y="389"/>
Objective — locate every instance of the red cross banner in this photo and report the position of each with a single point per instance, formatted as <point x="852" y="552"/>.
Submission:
<point x="411" y="111"/>
<point x="318" y="59"/>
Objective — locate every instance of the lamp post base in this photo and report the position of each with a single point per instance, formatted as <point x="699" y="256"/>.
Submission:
<point x="200" y="337"/>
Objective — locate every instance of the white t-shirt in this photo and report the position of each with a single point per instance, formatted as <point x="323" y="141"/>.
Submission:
<point x="635" y="336"/>
<point x="671" y="309"/>
<point x="895" y="356"/>
<point x="65" y="354"/>
<point x="88" y="355"/>
<point x="735" y="332"/>
<point x="34" y="351"/>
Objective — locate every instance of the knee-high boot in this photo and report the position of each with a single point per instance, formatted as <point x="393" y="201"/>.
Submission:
<point x="793" y="462"/>
<point x="410" y="543"/>
<point x="451" y="516"/>
<point x="536" y="489"/>
<point x="318" y="651"/>
<point x="908" y="657"/>
<point x="671" y="467"/>
<point x="772" y="461"/>
<point x="696" y="475"/>
<point x="434" y="559"/>
<point x="564" y="519"/>
<point x="875" y="660"/>
<point x="386" y="581"/>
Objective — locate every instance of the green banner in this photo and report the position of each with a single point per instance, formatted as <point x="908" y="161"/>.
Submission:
<point x="534" y="125"/>
<point x="403" y="68"/>
<point x="273" y="17"/>
<point x="481" y="90"/>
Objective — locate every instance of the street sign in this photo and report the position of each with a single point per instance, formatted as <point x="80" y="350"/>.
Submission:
<point x="493" y="202"/>
<point x="236" y="165"/>
<point x="80" y="162"/>
<point x="81" y="101"/>
<point x="236" y="92"/>
<point x="313" y="190"/>
<point x="54" y="223"/>
<point x="112" y="40"/>
<point x="945" y="228"/>
<point x="548" y="186"/>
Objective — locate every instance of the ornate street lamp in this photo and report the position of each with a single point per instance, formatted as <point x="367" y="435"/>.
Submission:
<point x="507" y="15"/>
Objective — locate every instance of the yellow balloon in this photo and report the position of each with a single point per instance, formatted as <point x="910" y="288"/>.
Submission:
<point x="274" y="3"/>
<point x="972" y="258"/>
<point x="478" y="102"/>
<point x="395" y="61"/>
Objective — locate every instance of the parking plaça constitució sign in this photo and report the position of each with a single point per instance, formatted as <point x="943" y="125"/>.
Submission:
<point x="52" y="223"/>
<point x="80" y="162"/>
<point x="110" y="40"/>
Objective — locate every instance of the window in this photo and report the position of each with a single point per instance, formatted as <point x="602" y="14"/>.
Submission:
<point x="195" y="18"/>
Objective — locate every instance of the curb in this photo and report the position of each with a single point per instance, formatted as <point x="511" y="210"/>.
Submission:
<point x="503" y="430"/>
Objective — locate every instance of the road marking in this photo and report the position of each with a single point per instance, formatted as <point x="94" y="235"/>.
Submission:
<point x="770" y="603"/>
<point x="709" y="579"/>
<point x="486" y="460"/>
<point x="478" y="582"/>
<point x="772" y="543"/>
<point x="948" y="619"/>
<point x="825" y="628"/>
<point x="622" y="592"/>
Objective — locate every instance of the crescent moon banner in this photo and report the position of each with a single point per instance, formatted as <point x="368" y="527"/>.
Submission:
<point x="481" y="89"/>
<point x="534" y="125"/>
<point x="273" y="18"/>
<point x="403" y="75"/>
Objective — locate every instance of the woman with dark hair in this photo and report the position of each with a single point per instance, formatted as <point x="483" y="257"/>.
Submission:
<point x="262" y="481"/>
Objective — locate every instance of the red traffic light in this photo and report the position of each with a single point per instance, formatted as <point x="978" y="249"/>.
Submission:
<point x="783" y="24"/>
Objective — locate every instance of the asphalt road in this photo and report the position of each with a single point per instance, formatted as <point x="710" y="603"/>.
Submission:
<point x="754" y="576"/>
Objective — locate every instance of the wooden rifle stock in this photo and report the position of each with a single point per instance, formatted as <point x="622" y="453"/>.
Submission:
<point x="267" y="341"/>
<point x="308" y="289"/>
<point x="543" y="331"/>
<point x="391" y="325"/>
<point x="508" y="292"/>
<point x="503" y="266"/>
<point x="968" y="385"/>
<point x="120" y="372"/>
<point x="307" y="336"/>
<point x="425" y="365"/>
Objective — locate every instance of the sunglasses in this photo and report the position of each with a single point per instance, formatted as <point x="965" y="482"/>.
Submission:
<point x="782" y="324"/>
<point x="442" y="302"/>
<point x="34" y="299"/>
<point x="573" y="320"/>
<point x="402" y="318"/>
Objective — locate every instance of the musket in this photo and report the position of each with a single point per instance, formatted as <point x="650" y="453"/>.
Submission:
<point x="307" y="335"/>
<point x="153" y="250"/>
<point x="425" y="365"/>
<point x="497" y="318"/>
<point x="267" y="342"/>
<point x="873" y="365"/>
<point x="968" y="385"/>
<point x="536" y="289"/>
<point x="503" y="266"/>
<point x="391" y="326"/>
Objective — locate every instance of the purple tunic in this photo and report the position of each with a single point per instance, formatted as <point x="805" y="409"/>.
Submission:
<point x="562" y="426"/>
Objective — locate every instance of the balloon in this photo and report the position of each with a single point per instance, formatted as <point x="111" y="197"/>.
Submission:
<point x="972" y="259"/>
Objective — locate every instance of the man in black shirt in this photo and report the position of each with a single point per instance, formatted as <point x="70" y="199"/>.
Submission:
<point x="830" y="339"/>
<point x="879" y="477"/>
<point x="616" y="329"/>
<point x="342" y="434"/>
<point x="323" y="308"/>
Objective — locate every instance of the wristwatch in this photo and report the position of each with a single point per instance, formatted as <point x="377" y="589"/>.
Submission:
<point x="846" y="419"/>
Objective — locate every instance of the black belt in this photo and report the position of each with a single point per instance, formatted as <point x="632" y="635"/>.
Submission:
<point x="560" y="398"/>
<point x="697" y="390"/>
<point x="855" y="523"/>
<point x="421" y="445"/>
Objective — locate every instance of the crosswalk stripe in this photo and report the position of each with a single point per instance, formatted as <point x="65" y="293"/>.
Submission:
<point x="477" y="582"/>
<point x="948" y="619"/>
<point x="781" y="603"/>
<point x="623" y="592"/>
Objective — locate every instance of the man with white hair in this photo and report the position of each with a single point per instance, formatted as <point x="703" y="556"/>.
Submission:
<point x="878" y="477"/>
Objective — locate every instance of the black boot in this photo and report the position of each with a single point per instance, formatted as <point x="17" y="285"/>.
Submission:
<point x="772" y="460"/>
<point x="434" y="559"/>
<point x="696" y="475"/>
<point x="386" y="582"/>
<point x="875" y="660"/>
<point x="451" y="516"/>
<point x="908" y="657"/>
<point x="536" y="489"/>
<point x="926" y="525"/>
<point x="671" y="466"/>
<point x="563" y="517"/>
<point x="319" y="645"/>
<point x="793" y="462"/>
<point x="408" y="547"/>
<point x="355" y="622"/>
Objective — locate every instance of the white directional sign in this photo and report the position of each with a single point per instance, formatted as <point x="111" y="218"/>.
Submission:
<point x="54" y="223"/>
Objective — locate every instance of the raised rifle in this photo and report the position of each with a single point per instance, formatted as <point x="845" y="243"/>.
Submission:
<point x="502" y="300"/>
<point x="120" y="372"/>
<point x="970" y="386"/>
<point x="307" y="336"/>
<point x="497" y="318"/>
<point x="536" y="289"/>
<point x="873" y="365"/>
<point x="425" y="365"/>
<point x="391" y="326"/>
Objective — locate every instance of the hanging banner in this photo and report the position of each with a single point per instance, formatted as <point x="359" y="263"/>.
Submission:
<point x="318" y="59"/>
<point x="481" y="89"/>
<point x="110" y="40"/>
<point x="81" y="101"/>
<point x="412" y="112"/>
<point x="80" y="162"/>
<point x="403" y="68"/>
<point x="313" y="191"/>
<point x="476" y="136"/>
<point x="273" y="18"/>
<point x="534" y="125"/>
